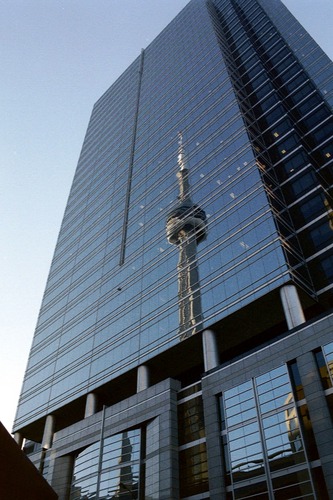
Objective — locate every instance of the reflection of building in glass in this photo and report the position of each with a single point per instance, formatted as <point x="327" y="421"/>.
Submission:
<point x="186" y="227"/>
<point x="264" y="451"/>
<point x="211" y="416"/>
<point x="108" y="469"/>
<point x="293" y="426"/>
<point x="127" y="488"/>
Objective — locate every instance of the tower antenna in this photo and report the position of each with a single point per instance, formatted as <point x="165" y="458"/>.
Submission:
<point x="181" y="153"/>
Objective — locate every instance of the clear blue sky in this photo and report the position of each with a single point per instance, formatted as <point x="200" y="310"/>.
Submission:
<point x="57" y="58"/>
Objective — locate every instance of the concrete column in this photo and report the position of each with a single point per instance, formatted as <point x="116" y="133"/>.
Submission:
<point x="60" y="474"/>
<point x="215" y="456"/>
<point x="210" y="351"/>
<point x="319" y="414"/>
<point x="91" y="404"/>
<point x="291" y="306"/>
<point x="142" y="378"/>
<point x="162" y="467"/>
<point x="48" y="432"/>
<point x="18" y="438"/>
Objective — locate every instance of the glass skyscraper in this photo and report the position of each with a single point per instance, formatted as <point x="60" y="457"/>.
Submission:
<point x="184" y="345"/>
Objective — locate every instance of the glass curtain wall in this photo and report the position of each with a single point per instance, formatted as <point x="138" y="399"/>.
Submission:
<point x="193" y="466"/>
<point x="267" y="439"/>
<point x="291" y="127"/>
<point x="109" y="469"/>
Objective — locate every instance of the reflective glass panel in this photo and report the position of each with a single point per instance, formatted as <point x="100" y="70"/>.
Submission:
<point x="111" y="467"/>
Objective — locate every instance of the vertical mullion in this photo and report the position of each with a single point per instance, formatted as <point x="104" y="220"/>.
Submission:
<point x="130" y="167"/>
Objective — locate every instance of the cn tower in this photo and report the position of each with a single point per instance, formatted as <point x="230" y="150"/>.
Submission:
<point x="186" y="228"/>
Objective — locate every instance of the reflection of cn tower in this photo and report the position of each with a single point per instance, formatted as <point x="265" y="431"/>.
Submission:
<point x="186" y="227"/>
<point x="127" y="488"/>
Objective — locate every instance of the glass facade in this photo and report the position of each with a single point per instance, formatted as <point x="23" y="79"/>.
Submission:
<point x="111" y="297"/>
<point x="289" y="121"/>
<point x="193" y="466"/>
<point x="251" y="94"/>
<point x="109" y="468"/>
<point x="268" y="442"/>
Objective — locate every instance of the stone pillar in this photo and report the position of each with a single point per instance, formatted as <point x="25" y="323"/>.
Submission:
<point x="215" y="456"/>
<point x="18" y="438"/>
<point x="142" y="378"/>
<point x="48" y="432"/>
<point x="162" y="467"/>
<point x="291" y="306"/>
<point x="61" y="474"/>
<point x="91" y="404"/>
<point x="319" y="414"/>
<point x="210" y="351"/>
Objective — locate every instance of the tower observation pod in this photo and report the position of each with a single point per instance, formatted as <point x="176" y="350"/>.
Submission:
<point x="186" y="228"/>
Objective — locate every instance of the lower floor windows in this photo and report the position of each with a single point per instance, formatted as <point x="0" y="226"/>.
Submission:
<point x="193" y="470"/>
<point x="109" y="468"/>
<point x="265" y="454"/>
<point x="267" y="448"/>
<point x="193" y="465"/>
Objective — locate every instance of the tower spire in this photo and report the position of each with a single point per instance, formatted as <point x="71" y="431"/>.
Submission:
<point x="181" y="153"/>
<point x="183" y="173"/>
